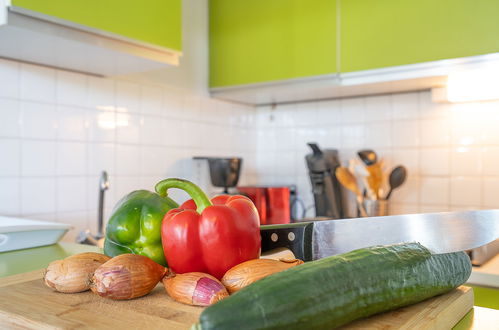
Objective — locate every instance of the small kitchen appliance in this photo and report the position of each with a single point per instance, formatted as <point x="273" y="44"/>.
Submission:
<point x="224" y="172"/>
<point x="273" y="203"/>
<point x="322" y="165"/>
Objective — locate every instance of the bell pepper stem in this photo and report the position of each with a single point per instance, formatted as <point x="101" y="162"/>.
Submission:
<point x="202" y="201"/>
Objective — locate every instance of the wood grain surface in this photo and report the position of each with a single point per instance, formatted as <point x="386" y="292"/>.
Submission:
<point x="26" y="303"/>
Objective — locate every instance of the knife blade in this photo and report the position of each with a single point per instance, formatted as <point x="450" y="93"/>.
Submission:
<point x="439" y="232"/>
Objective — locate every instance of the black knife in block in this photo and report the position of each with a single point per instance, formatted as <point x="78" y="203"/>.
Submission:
<point x="296" y="237"/>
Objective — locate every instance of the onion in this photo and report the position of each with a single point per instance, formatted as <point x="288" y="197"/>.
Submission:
<point x="127" y="276"/>
<point x="251" y="271"/>
<point x="73" y="274"/>
<point x="195" y="288"/>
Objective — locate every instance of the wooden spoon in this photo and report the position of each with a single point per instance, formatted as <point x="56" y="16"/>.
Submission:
<point x="347" y="179"/>
<point x="375" y="178"/>
<point x="397" y="178"/>
<point x="368" y="156"/>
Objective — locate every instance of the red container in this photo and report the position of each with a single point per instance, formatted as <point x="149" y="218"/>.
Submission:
<point x="272" y="203"/>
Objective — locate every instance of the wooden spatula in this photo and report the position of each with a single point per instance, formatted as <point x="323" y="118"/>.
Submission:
<point x="347" y="179"/>
<point x="375" y="178"/>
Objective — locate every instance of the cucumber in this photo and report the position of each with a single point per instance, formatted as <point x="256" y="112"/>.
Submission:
<point x="333" y="291"/>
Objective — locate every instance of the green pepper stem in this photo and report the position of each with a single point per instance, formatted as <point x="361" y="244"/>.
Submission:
<point x="202" y="201"/>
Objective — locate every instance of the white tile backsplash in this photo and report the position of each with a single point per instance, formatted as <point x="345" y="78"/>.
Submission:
<point x="127" y="96"/>
<point x="10" y="164"/>
<point x="100" y="92"/>
<point x="378" y="108"/>
<point x="352" y="110"/>
<point x="38" y="195"/>
<point x="151" y="130"/>
<point x="490" y="193"/>
<point x="405" y="133"/>
<point x="71" y="88"/>
<point x="59" y="130"/>
<point x="128" y="127"/>
<point x="10" y="112"/>
<point x="378" y="135"/>
<point x="466" y="161"/>
<point x="102" y="125"/>
<point x="71" y="158"/>
<point x="435" y="132"/>
<point x="466" y="191"/>
<point x="10" y="196"/>
<point x="39" y="120"/>
<point x="490" y="133"/>
<point x="71" y="194"/>
<point x="127" y="159"/>
<point x="405" y="106"/>
<point x="101" y="156"/>
<point x="72" y="123"/>
<point x="446" y="148"/>
<point x="351" y="135"/>
<point x="38" y="158"/>
<point x="9" y="78"/>
<point x="37" y="83"/>
<point x="490" y="161"/>
<point x="150" y="100"/>
<point x="434" y="190"/>
<point x="408" y="192"/>
<point x="408" y="158"/>
<point x="434" y="161"/>
<point x="329" y="112"/>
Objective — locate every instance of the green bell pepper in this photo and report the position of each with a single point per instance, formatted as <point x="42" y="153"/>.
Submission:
<point x="135" y="225"/>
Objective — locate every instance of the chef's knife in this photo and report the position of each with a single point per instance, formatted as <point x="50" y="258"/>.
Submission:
<point x="439" y="232"/>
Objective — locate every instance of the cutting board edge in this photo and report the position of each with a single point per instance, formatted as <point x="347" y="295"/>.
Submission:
<point x="23" y="322"/>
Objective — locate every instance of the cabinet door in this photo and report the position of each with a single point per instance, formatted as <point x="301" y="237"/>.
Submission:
<point x="158" y="22"/>
<point x="383" y="33"/>
<point x="268" y="40"/>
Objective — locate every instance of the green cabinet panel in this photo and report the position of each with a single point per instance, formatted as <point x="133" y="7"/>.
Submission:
<point x="486" y="297"/>
<point x="26" y="260"/>
<point x="268" y="40"/>
<point x="382" y="33"/>
<point x="157" y="22"/>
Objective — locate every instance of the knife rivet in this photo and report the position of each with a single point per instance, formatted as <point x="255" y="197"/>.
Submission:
<point x="274" y="237"/>
<point x="291" y="236"/>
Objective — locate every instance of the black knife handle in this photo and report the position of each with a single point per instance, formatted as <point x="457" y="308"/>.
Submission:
<point x="294" y="236"/>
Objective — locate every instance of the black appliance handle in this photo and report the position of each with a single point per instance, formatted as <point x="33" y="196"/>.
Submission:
<point x="315" y="148"/>
<point x="294" y="236"/>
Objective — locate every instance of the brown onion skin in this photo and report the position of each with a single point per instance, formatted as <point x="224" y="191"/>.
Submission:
<point x="127" y="276"/>
<point x="253" y="270"/>
<point x="73" y="274"/>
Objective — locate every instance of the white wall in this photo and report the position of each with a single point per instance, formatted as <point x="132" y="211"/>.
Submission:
<point x="58" y="130"/>
<point x="451" y="151"/>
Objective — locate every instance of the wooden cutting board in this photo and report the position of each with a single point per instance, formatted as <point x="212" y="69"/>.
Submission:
<point x="25" y="303"/>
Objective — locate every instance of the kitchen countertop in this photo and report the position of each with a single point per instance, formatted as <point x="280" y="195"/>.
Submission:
<point x="20" y="261"/>
<point x="487" y="274"/>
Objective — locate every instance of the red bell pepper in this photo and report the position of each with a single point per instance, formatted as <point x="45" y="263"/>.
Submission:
<point x="208" y="236"/>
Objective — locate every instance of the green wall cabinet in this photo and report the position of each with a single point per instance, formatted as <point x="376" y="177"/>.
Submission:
<point x="261" y="41"/>
<point x="276" y="40"/>
<point x="157" y="22"/>
<point x="383" y="33"/>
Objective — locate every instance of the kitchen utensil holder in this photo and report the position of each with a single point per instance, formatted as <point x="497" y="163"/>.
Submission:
<point x="376" y="207"/>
